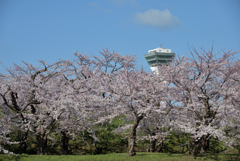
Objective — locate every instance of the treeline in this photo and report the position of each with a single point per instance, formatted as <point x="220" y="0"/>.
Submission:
<point x="109" y="142"/>
<point x="95" y="105"/>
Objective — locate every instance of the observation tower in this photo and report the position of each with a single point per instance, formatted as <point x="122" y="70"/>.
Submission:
<point x="159" y="56"/>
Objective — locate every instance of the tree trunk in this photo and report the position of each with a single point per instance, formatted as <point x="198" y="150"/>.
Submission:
<point x="64" y="143"/>
<point x="23" y="144"/>
<point x="148" y="148"/>
<point x="191" y="146"/>
<point x="132" y="136"/>
<point x="159" y="146"/>
<point x="204" y="144"/>
<point x="42" y="144"/>
<point x="194" y="147"/>
<point x="152" y="144"/>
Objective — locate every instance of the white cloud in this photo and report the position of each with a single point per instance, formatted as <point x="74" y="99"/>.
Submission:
<point x="157" y="18"/>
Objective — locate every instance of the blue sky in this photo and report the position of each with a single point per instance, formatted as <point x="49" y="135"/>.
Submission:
<point x="32" y="30"/>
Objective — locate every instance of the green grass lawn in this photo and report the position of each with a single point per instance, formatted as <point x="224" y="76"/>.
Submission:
<point x="122" y="157"/>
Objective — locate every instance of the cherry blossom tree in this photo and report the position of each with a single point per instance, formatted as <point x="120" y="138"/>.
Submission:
<point x="135" y="94"/>
<point x="200" y="90"/>
<point x="231" y="91"/>
<point x="82" y="92"/>
<point x="29" y="93"/>
<point x="6" y="126"/>
<point x="16" y="99"/>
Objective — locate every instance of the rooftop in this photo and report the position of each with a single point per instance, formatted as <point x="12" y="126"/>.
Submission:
<point x="160" y="49"/>
<point x="159" y="56"/>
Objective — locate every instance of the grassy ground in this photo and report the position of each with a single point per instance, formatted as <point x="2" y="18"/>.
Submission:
<point x="122" y="157"/>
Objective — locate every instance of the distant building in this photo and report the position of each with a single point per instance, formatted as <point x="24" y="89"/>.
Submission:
<point x="159" y="56"/>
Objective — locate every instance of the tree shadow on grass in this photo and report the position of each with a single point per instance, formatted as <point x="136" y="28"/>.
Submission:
<point x="160" y="154"/>
<point x="224" y="157"/>
<point x="145" y="154"/>
<point x="233" y="157"/>
<point x="214" y="157"/>
<point x="12" y="157"/>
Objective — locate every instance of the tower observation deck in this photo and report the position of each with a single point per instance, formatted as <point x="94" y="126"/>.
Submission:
<point x="159" y="56"/>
